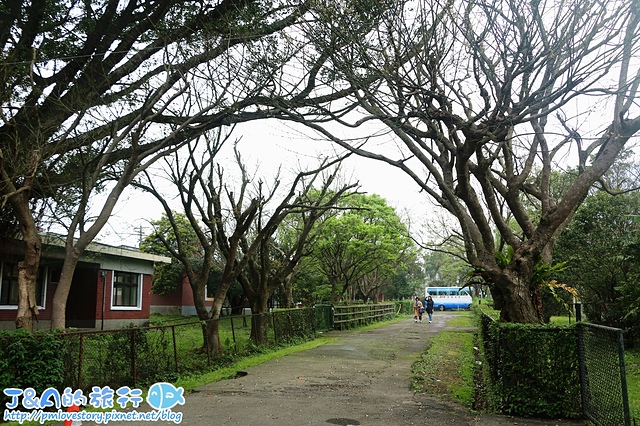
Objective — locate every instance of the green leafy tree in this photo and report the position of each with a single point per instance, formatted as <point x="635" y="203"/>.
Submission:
<point x="164" y="241"/>
<point x="599" y="248"/>
<point x="629" y="301"/>
<point x="366" y="237"/>
<point x="445" y="269"/>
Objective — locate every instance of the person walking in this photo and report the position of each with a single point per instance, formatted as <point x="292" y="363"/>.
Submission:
<point x="428" y="307"/>
<point x="418" y="310"/>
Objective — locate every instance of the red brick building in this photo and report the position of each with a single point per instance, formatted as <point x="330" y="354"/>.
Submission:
<point x="111" y="286"/>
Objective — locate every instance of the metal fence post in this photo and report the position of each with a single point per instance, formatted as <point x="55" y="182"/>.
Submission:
<point x="623" y="378"/>
<point x="175" y="347"/>
<point x="275" y="332"/>
<point x="233" y="335"/>
<point x="80" y="354"/>
<point x="133" y="355"/>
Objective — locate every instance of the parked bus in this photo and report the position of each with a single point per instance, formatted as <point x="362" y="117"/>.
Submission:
<point x="449" y="297"/>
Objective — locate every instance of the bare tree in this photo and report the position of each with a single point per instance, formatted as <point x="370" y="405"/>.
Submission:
<point x="189" y="181"/>
<point x="235" y="226"/>
<point x="483" y="100"/>
<point x="268" y="266"/>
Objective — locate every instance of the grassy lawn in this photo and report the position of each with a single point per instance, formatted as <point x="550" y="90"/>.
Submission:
<point x="632" y="361"/>
<point x="446" y="369"/>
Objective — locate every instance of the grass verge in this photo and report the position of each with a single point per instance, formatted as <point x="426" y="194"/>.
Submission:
<point x="447" y="368"/>
<point x="632" y="361"/>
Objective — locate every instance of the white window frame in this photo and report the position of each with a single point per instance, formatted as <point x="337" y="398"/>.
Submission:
<point x="115" y="307"/>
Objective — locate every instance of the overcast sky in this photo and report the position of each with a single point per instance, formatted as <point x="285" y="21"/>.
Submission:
<point x="265" y="146"/>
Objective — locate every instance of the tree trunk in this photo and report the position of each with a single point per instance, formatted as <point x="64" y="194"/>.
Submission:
<point x="259" y="320"/>
<point x="27" y="275"/>
<point x="211" y="334"/>
<point x="287" y="292"/>
<point x="59" y="303"/>
<point x="237" y="304"/>
<point x="210" y="327"/>
<point x="517" y="298"/>
<point x="28" y="268"/>
<point x="334" y="290"/>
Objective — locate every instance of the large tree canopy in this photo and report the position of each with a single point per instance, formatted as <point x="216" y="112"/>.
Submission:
<point x="92" y="93"/>
<point x="483" y="100"/>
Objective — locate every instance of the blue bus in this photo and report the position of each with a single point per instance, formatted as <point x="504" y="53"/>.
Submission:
<point x="449" y="297"/>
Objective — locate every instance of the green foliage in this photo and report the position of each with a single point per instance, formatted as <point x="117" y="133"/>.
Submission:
<point x="366" y="236"/>
<point x="405" y="284"/>
<point x="292" y="324"/>
<point x="445" y="269"/>
<point x="30" y="360"/>
<point x="322" y="293"/>
<point x="504" y="258"/>
<point x="404" y="307"/>
<point x="531" y="370"/>
<point x="167" y="241"/>
<point x="447" y="366"/>
<point x="629" y="303"/>
<point x="600" y="246"/>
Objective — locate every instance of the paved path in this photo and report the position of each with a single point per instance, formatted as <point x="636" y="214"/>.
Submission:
<point x="360" y="379"/>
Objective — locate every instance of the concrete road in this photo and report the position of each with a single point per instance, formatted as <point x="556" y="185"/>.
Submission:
<point x="363" y="378"/>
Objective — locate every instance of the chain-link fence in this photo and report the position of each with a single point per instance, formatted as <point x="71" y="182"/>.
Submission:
<point x="141" y="356"/>
<point x="595" y="351"/>
<point x="602" y="373"/>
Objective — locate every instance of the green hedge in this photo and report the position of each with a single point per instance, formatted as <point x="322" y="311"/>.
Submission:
<point x="30" y="360"/>
<point x="404" y="307"/>
<point x="531" y="370"/>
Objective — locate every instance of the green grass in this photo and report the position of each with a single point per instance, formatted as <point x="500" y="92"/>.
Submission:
<point x="632" y="361"/>
<point x="446" y="369"/>
<point x="190" y="331"/>
<point x="462" y="319"/>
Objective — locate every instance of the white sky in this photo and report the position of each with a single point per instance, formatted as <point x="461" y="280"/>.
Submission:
<point x="266" y="145"/>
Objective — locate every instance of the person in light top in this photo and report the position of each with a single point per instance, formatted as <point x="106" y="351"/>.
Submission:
<point x="418" y="310"/>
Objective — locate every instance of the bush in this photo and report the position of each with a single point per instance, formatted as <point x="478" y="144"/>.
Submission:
<point x="30" y="360"/>
<point x="404" y="307"/>
<point x="531" y="370"/>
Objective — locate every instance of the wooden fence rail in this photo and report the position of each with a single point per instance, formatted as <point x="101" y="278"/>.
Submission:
<point x="345" y="317"/>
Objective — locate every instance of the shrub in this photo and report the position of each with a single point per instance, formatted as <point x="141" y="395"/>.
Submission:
<point x="30" y="360"/>
<point x="531" y="370"/>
